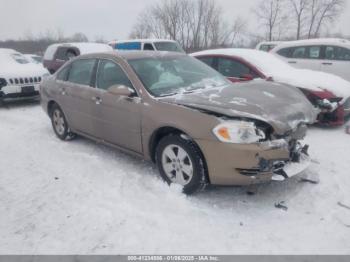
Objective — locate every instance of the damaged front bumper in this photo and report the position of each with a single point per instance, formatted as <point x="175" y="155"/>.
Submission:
<point x="244" y="165"/>
<point x="282" y="169"/>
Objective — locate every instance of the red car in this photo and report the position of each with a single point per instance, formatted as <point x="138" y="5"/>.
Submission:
<point x="329" y="93"/>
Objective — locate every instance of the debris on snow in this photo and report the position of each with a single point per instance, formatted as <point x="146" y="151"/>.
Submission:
<point x="281" y="205"/>
<point x="343" y="205"/>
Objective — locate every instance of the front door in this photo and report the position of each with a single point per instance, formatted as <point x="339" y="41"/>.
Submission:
<point x="118" y="118"/>
<point x="337" y="61"/>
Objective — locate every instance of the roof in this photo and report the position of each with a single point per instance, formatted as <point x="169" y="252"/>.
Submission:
<point x="318" y="41"/>
<point x="7" y="51"/>
<point x="270" y="42"/>
<point x="142" y="40"/>
<point x="239" y="52"/>
<point x="84" y="48"/>
<point x="130" y="55"/>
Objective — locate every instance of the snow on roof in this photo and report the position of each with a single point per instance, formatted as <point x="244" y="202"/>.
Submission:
<point x="142" y="40"/>
<point x="14" y="64"/>
<point x="85" y="48"/>
<point x="280" y="71"/>
<point x="318" y="41"/>
<point x="7" y="51"/>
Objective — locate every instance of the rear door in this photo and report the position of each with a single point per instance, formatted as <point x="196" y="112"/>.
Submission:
<point x="305" y="57"/>
<point x="118" y="118"/>
<point x="336" y="61"/>
<point x="76" y="95"/>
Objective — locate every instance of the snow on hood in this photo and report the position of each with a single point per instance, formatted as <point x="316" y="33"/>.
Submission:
<point x="283" y="107"/>
<point x="280" y="71"/>
<point x="10" y="68"/>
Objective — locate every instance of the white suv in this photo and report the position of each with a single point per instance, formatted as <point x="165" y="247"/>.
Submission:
<point x="327" y="55"/>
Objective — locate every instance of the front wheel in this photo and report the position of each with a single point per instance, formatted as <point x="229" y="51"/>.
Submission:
<point x="180" y="161"/>
<point x="59" y="124"/>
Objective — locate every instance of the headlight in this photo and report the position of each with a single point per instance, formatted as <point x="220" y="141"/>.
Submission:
<point x="239" y="132"/>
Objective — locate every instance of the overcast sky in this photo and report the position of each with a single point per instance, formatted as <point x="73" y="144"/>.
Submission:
<point x="112" y="19"/>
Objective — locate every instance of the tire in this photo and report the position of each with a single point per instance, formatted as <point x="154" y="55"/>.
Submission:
<point x="59" y="124"/>
<point x="180" y="161"/>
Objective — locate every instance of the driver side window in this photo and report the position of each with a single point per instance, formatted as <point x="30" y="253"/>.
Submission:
<point x="232" y="68"/>
<point x="109" y="74"/>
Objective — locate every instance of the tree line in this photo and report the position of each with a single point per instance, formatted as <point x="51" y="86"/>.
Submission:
<point x="202" y="24"/>
<point x="297" y="19"/>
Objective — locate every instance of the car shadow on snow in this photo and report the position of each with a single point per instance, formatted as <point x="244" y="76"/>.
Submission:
<point x="19" y="104"/>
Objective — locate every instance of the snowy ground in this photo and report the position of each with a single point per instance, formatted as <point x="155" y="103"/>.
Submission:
<point x="81" y="197"/>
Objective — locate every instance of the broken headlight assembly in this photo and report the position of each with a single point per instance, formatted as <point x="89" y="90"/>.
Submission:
<point x="329" y="105"/>
<point x="239" y="132"/>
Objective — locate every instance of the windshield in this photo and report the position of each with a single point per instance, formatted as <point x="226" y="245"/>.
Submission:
<point x="169" y="46"/>
<point x="173" y="75"/>
<point x="19" y="58"/>
<point x="38" y="59"/>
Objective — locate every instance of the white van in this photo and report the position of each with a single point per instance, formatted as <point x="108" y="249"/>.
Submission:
<point x="327" y="55"/>
<point x="147" y="44"/>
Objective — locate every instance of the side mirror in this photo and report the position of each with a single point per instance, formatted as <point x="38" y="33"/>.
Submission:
<point x="247" y="77"/>
<point x="121" y="90"/>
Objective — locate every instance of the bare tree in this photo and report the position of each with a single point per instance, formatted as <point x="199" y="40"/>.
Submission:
<point x="321" y="13"/>
<point x="300" y="9"/>
<point x="78" y="37"/>
<point x="271" y="14"/>
<point x="195" y="24"/>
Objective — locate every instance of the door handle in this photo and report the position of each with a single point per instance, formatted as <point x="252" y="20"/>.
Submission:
<point x="327" y="63"/>
<point x="63" y="91"/>
<point x="97" y="100"/>
<point x="292" y="62"/>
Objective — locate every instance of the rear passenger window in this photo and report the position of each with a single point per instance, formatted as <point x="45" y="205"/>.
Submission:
<point x="299" y="52"/>
<point x="285" y="52"/>
<point x="232" y="68"/>
<point x="65" y="54"/>
<point x="109" y="74"/>
<point x="207" y="60"/>
<point x="314" y="52"/>
<point x="148" y="47"/>
<point x="337" y="53"/>
<point x="82" y="71"/>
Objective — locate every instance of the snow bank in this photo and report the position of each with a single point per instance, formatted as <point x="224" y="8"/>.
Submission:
<point x="79" y="197"/>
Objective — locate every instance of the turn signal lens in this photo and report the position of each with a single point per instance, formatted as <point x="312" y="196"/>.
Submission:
<point x="224" y="133"/>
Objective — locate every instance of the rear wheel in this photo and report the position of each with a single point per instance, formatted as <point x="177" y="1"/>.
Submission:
<point x="180" y="162"/>
<point x="59" y="124"/>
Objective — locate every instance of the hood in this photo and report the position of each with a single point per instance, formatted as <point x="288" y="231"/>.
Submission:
<point x="283" y="107"/>
<point x="314" y="81"/>
<point x="14" y="70"/>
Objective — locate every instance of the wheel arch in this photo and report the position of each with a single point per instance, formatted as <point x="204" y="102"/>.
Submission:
<point x="166" y="131"/>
